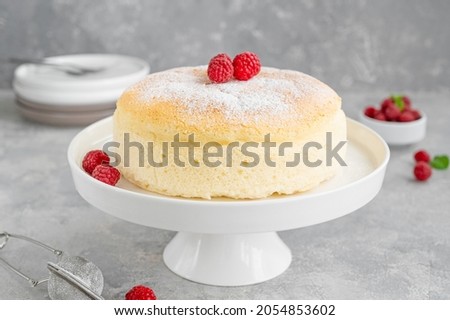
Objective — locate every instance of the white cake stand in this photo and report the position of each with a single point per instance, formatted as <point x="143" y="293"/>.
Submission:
<point x="234" y="242"/>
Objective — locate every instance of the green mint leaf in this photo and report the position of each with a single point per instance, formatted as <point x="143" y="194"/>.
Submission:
<point x="440" y="162"/>
<point x="398" y="100"/>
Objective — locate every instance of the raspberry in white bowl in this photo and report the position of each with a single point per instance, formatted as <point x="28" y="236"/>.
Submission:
<point x="396" y="121"/>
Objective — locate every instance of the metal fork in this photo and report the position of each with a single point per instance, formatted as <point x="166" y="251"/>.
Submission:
<point x="69" y="68"/>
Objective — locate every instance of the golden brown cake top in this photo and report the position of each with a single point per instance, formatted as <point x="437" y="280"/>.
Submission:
<point x="273" y="100"/>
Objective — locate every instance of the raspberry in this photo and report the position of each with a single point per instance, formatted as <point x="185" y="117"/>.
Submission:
<point x="387" y="103"/>
<point x="406" y="102"/>
<point x="106" y="174"/>
<point x="370" y="111"/>
<point x="422" y="171"/>
<point x="140" y="293"/>
<point x="422" y="155"/>
<point x="94" y="158"/>
<point x="392" y="113"/>
<point x="406" y="116"/>
<point x="415" y="113"/>
<point x="380" y="116"/>
<point x="220" y="68"/>
<point x="246" y="66"/>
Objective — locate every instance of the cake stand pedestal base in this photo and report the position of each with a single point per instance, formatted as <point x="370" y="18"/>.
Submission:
<point x="227" y="259"/>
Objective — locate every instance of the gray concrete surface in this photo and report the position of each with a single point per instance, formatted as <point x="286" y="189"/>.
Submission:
<point x="352" y="45"/>
<point x="396" y="247"/>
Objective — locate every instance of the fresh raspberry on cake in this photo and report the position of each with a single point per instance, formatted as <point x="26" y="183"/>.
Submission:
<point x="94" y="158"/>
<point x="106" y="174"/>
<point x="220" y="68"/>
<point x="140" y="292"/>
<point x="246" y="66"/>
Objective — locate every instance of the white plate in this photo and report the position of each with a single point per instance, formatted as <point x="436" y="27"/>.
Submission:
<point x="63" y="118"/>
<point x="48" y="85"/>
<point x="233" y="242"/>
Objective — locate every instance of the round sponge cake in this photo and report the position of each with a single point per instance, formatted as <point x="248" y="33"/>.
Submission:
<point x="223" y="131"/>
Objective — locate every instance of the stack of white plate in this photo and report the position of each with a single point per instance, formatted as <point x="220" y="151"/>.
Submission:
<point x="50" y="95"/>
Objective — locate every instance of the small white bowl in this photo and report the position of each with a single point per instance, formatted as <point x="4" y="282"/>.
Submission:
<point x="397" y="133"/>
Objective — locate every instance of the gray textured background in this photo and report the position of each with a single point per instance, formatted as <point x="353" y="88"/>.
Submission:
<point x="393" y="46"/>
<point x="396" y="247"/>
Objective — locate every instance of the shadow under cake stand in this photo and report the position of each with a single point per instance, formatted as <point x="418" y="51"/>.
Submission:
<point x="234" y="242"/>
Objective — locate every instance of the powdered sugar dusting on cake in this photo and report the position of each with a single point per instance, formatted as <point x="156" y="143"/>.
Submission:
<point x="272" y="92"/>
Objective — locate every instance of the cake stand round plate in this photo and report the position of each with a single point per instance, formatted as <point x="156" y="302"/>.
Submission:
<point x="234" y="242"/>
